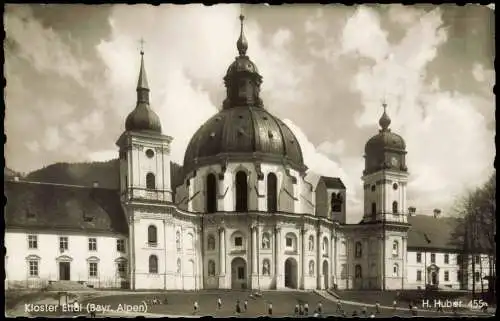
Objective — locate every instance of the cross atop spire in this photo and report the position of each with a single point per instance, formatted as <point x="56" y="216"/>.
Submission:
<point x="384" y="121"/>
<point x="142" y="45"/>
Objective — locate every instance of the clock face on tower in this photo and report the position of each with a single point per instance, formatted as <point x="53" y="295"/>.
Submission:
<point x="394" y="161"/>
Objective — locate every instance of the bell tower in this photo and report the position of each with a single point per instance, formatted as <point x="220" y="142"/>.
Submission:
<point x="144" y="151"/>
<point x="385" y="176"/>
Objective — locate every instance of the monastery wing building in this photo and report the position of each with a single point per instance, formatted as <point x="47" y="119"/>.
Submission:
<point x="242" y="212"/>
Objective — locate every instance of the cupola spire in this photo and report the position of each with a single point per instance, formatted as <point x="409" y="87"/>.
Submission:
<point x="384" y="121"/>
<point x="142" y="83"/>
<point x="242" y="43"/>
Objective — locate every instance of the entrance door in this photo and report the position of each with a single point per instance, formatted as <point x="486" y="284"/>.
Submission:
<point x="325" y="274"/>
<point x="64" y="271"/>
<point x="434" y="278"/>
<point x="238" y="274"/>
<point x="291" y="273"/>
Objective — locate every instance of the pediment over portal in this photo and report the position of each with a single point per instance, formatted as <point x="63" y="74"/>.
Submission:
<point x="64" y="258"/>
<point x="433" y="267"/>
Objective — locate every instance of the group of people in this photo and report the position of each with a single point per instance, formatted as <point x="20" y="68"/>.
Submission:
<point x="303" y="309"/>
<point x="364" y="312"/>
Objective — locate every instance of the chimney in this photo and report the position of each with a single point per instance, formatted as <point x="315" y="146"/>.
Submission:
<point x="437" y="213"/>
<point x="412" y="210"/>
<point x="95" y="184"/>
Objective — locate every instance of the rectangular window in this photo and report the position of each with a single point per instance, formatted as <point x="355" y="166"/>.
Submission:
<point x="433" y="258"/>
<point x="93" y="269"/>
<point x="241" y="273"/>
<point x="238" y="241"/>
<point x="419" y="275"/>
<point x="33" y="268"/>
<point x="459" y="275"/>
<point x="92" y="244"/>
<point x="477" y="276"/>
<point x="63" y="243"/>
<point x="446" y="275"/>
<point x="419" y="257"/>
<point x="289" y="242"/>
<point x="446" y="259"/>
<point x="477" y="258"/>
<point x="32" y="242"/>
<point x="120" y="246"/>
<point x="122" y="269"/>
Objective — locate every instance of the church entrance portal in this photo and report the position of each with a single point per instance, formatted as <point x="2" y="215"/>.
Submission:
<point x="64" y="271"/>
<point x="325" y="275"/>
<point x="238" y="273"/>
<point x="291" y="273"/>
<point x="434" y="278"/>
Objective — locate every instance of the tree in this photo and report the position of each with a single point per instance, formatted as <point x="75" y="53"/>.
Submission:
<point x="476" y="230"/>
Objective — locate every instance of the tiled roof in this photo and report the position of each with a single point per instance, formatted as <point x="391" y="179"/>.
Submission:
<point x="42" y="206"/>
<point x="333" y="182"/>
<point x="432" y="233"/>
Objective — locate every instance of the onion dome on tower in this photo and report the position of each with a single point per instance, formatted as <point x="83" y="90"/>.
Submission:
<point x="243" y="130"/>
<point x="386" y="149"/>
<point x="143" y="118"/>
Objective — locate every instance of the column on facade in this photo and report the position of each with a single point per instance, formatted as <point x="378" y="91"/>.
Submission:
<point x="403" y="262"/>
<point x="334" y="259"/>
<point x="318" y="258"/>
<point x="382" y="267"/>
<point x="254" y="250"/>
<point x="220" y="195"/>
<point x="303" y="271"/>
<point x="222" y="251"/>
<point x="277" y="249"/>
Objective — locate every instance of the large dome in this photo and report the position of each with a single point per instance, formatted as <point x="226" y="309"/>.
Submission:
<point x="244" y="133"/>
<point x="243" y="130"/>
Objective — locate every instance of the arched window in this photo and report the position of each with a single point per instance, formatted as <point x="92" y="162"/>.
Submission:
<point x="266" y="267"/>
<point x="374" y="210"/>
<point x="311" y="268"/>
<point x="241" y="192"/>
<point x="395" y="248"/>
<point x="358" y="273"/>
<point x="325" y="246"/>
<point x="394" y="207"/>
<point x="150" y="181"/>
<point x="343" y="248"/>
<point x="336" y="202"/>
<point x="395" y="270"/>
<point x="178" y="240"/>
<point x="211" y="195"/>
<point x="178" y="266"/>
<point x="272" y="193"/>
<point x="152" y="234"/>
<point x="211" y="268"/>
<point x="266" y="241"/>
<point x="358" y="250"/>
<point x="153" y="264"/>
<point x="211" y="243"/>
<point x="311" y="243"/>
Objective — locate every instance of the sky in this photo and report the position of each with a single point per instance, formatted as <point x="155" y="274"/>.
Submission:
<point x="71" y="73"/>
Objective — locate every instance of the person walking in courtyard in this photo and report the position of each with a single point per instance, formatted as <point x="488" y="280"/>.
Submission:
<point x="306" y="309"/>
<point x="339" y="306"/>
<point x="245" y="305"/>
<point x="219" y="303"/>
<point x="377" y="307"/>
<point x="270" y="308"/>
<point x="195" y="307"/>
<point x="320" y="308"/>
<point x="394" y="305"/>
<point x="301" y="309"/>
<point x="363" y="312"/>
<point x="296" y="310"/>
<point x="238" y="308"/>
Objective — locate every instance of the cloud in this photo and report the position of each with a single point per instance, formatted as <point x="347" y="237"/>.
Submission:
<point x="183" y="63"/>
<point x="41" y="46"/>
<point x="52" y="139"/>
<point x="449" y="146"/>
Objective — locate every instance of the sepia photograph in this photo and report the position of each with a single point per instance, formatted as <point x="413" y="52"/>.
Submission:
<point x="247" y="160"/>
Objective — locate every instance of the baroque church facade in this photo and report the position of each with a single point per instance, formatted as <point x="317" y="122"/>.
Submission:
<point x="246" y="213"/>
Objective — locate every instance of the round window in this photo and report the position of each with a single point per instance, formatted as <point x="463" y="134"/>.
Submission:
<point x="150" y="153"/>
<point x="395" y="186"/>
